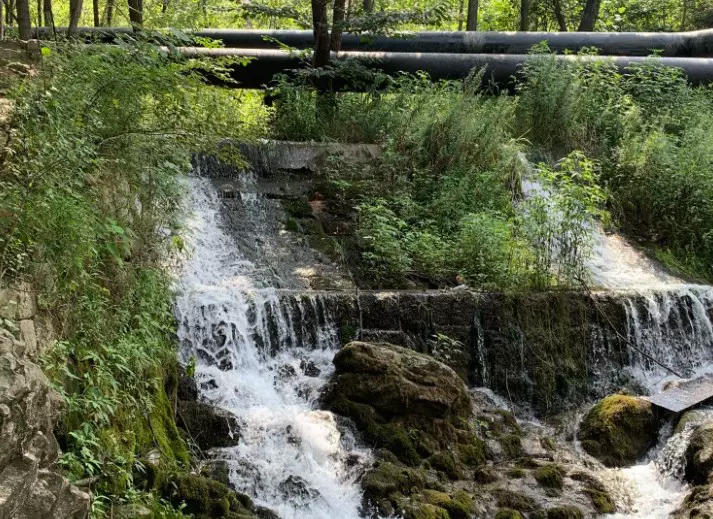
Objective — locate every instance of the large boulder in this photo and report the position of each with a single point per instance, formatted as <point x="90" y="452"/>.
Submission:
<point x="31" y="486"/>
<point x="208" y="426"/>
<point x="619" y="429"/>
<point x="699" y="455"/>
<point x="397" y="381"/>
<point x="404" y="401"/>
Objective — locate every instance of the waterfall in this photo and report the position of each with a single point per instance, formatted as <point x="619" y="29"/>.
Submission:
<point x="672" y="325"/>
<point x="264" y="357"/>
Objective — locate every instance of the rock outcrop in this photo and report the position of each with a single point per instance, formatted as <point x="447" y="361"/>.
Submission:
<point x="619" y="429"/>
<point x="699" y="455"/>
<point x="401" y="400"/>
<point x="208" y="426"/>
<point x="31" y="486"/>
<point x="440" y="457"/>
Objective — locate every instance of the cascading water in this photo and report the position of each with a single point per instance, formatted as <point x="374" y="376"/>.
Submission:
<point x="264" y="358"/>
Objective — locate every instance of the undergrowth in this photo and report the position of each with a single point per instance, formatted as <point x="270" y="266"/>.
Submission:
<point x="445" y="203"/>
<point x="89" y="197"/>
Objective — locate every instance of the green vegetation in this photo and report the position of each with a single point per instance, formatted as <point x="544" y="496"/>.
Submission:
<point x="550" y="476"/>
<point x="89" y="197"/>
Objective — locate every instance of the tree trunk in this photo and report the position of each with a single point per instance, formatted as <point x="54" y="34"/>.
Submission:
<point x="559" y="15"/>
<point x="24" y="22"/>
<point x="49" y="17"/>
<point x="335" y="40"/>
<point x="321" y="33"/>
<point x="589" y="16"/>
<point x="684" y="15"/>
<point x="75" y="12"/>
<point x="136" y="13"/>
<point x="368" y="6"/>
<point x="461" y="9"/>
<point x="95" y="9"/>
<point x="524" y="14"/>
<point x="472" y="22"/>
<point x="39" y="13"/>
<point x="109" y="13"/>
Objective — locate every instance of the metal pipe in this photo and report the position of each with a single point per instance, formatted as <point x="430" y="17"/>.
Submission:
<point x="670" y="44"/>
<point x="499" y="68"/>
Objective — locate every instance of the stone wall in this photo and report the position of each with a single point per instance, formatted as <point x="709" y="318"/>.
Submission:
<point x="31" y="486"/>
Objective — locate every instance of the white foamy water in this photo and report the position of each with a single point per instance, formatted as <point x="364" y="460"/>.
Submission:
<point x="265" y="360"/>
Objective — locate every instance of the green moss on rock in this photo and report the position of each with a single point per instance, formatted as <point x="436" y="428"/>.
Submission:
<point x="511" y="499"/>
<point x="473" y="453"/>
<point x="511" y="445"/>
<point x="485" y="476"/>
<point x="508" y="513"/>
<point x="203" y="497"/>
<point x="601" y="500"/>
<point x="446" y="462"/>
<point x="388" y="478"/>
<point x="565" y="512"/>
<point x="550" y="476"/>
<point x="619" y="429"/>
<point x="516" y="473"/>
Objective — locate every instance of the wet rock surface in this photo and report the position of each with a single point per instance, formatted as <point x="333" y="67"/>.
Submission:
<point x="482" y="464"/>
<point x="208" y="426"/>
<point x="699" y="455"/>
<point x="619" y="430"/>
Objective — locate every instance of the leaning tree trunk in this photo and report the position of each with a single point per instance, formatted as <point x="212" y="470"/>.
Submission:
<point x="559" y="15"/>
<point x="524" y="14"/>
<point x="471" y="23"/>
<point x="75" y="12"/>
<point x="589" y="16"/>
<point x="335" y="39"/>
<point x="24" y="22"/>
<point x="136" y="13"/>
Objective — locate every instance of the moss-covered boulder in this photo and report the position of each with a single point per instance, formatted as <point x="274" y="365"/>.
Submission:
<point x="397" y="381"/>
<point x="550" y="476"/>
<point x="403" y="401"/>
<point x="699" y="455"/>
<point x="508" y="513"/>
<point x="205" y="498"/>
<point x="565" y="512"/>
<point x="619" y="429"/>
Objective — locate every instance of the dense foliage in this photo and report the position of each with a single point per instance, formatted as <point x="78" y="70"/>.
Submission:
<point x="444" y="205"/>
<point x="494" y="15"/>
<point x="89" y="198"/>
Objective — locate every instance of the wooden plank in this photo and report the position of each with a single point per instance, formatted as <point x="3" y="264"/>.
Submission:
<point x="685" y="395"/>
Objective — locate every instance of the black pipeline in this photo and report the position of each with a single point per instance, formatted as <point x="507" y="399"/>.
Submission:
<point x="682" y="44"/>
<point x="499" y="68"/>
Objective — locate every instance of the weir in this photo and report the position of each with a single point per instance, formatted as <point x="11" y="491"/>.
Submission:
<point x="263" y="313"/>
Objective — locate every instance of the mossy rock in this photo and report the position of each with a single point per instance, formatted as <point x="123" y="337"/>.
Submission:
<point x="516" y="473"/>
<point x="485" y="476"/>
<point x="550" y="476"/>
<point x="204" y="498"/>
<point x="473" y="453"/>
<point x="698" y="504"/>
<point x="511" y="445"/>
<point x="619" y="429"/>
<point x="446" y="462"/>
<point x="388" y="478"/>
<point x="297" y="208"/>
<point x="424" y="511"/>
<point x="699" y="455"/>
<point x="508" y="513"/>
<point x="596" y="491"/>
<point x="565" y="512"/>
<point x="601" y="500"/>
<point x="511" y="499"/>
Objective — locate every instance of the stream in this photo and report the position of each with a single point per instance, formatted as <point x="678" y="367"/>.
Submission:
<point x="265" y="357"/>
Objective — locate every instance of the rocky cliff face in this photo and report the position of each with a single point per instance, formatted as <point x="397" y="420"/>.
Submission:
<point x="31" y="486"/>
